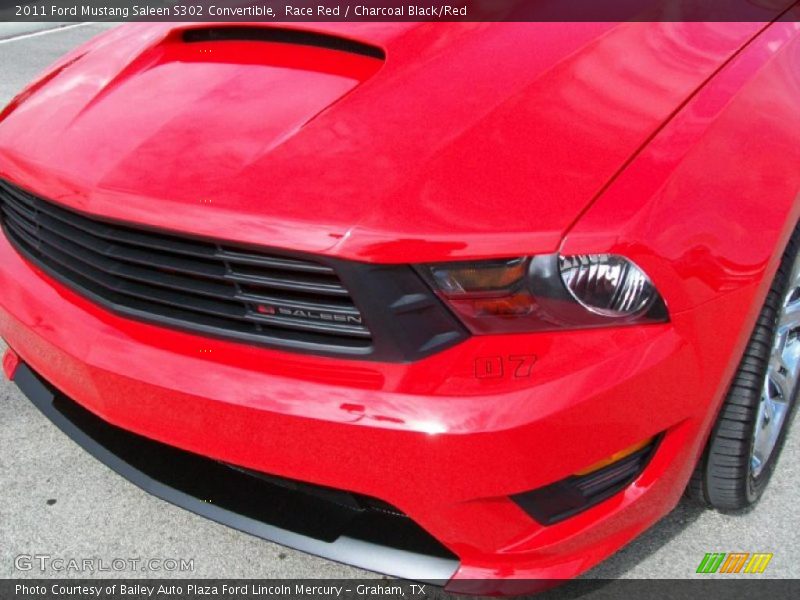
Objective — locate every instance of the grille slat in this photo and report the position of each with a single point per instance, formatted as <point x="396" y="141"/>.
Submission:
<point x="195" y="284"/>
<point x="173" y="263"/>
<point x="288" y="283"/>
<point x="117" y="285"/>
<point x="173" y="244"/>
<point x="17" y="194"/>
<point x="20" y="214"/>
<point x="135" y="272"/>
<point x="23" y="224"/>
<point x="273" y="262"/>
<point x="144" y="240"/>
<point x="21" y="233"/>
<point x="191" y="266"/>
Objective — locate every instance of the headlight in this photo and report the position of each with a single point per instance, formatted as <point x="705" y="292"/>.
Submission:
<point x="547" y="292"/>
<point x="611" y="286"/>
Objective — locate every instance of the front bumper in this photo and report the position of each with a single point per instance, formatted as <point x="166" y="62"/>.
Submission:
<point x="436" y="438"/>
<point x="188" y="481"/>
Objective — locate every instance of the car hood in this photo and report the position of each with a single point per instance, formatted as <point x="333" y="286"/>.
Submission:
<point x="419" y="142"/>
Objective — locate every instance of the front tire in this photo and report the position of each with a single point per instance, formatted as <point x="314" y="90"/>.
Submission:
<point x="748" y="436"/>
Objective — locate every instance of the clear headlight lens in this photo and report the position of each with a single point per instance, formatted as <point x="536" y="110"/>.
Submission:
<point x="608" y="285"/>
<point x="547" y="292"/>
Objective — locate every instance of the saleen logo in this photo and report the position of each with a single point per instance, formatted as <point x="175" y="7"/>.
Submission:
<point x="734" y="562"/>
<point x="311" y="315"/>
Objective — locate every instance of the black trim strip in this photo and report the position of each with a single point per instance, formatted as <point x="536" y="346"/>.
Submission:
<point x="72" y="419"/>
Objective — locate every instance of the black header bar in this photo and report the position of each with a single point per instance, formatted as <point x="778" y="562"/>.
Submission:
<point x="396" y="10"/>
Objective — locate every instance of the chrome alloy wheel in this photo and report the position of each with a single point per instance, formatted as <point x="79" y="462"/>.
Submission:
<point x="780" y="382"/>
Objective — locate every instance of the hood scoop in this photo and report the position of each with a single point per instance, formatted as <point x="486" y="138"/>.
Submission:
<point x="282" y="36"/>
<point x="207" y="102"/>
<point x="278" y="48"/>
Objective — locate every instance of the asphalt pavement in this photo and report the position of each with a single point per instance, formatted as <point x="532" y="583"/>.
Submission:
<point x="56" y="500"/>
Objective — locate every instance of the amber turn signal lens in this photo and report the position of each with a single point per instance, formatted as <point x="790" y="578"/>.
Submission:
<point x="480" y="277"/>
<point x="507" y="306"/>
<point x="617" y="456"/>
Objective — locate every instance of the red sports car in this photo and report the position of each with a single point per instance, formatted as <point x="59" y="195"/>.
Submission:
<point x="453" y="302"/>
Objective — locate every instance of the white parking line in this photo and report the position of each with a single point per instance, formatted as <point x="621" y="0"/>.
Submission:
<point x="25" y="36"/>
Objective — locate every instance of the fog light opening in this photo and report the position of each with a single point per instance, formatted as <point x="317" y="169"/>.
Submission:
<point x="568" y="497"/>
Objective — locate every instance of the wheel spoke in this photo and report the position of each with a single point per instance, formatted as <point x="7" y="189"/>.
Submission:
<point x="790" y="316"/>
<point x="781" y="379"/>
<point x="794" y="277"/>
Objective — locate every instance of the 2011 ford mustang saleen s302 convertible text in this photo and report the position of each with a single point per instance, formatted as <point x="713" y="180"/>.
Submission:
<point x="453" y="302"/>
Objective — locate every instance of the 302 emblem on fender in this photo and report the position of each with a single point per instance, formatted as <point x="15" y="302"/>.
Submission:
<point x="517" y="366"/>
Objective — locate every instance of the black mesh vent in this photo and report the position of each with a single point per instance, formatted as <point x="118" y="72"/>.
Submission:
<point x="189" y="283"/>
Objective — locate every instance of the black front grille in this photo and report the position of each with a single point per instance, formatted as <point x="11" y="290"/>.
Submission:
<point x="199" y="285"/>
